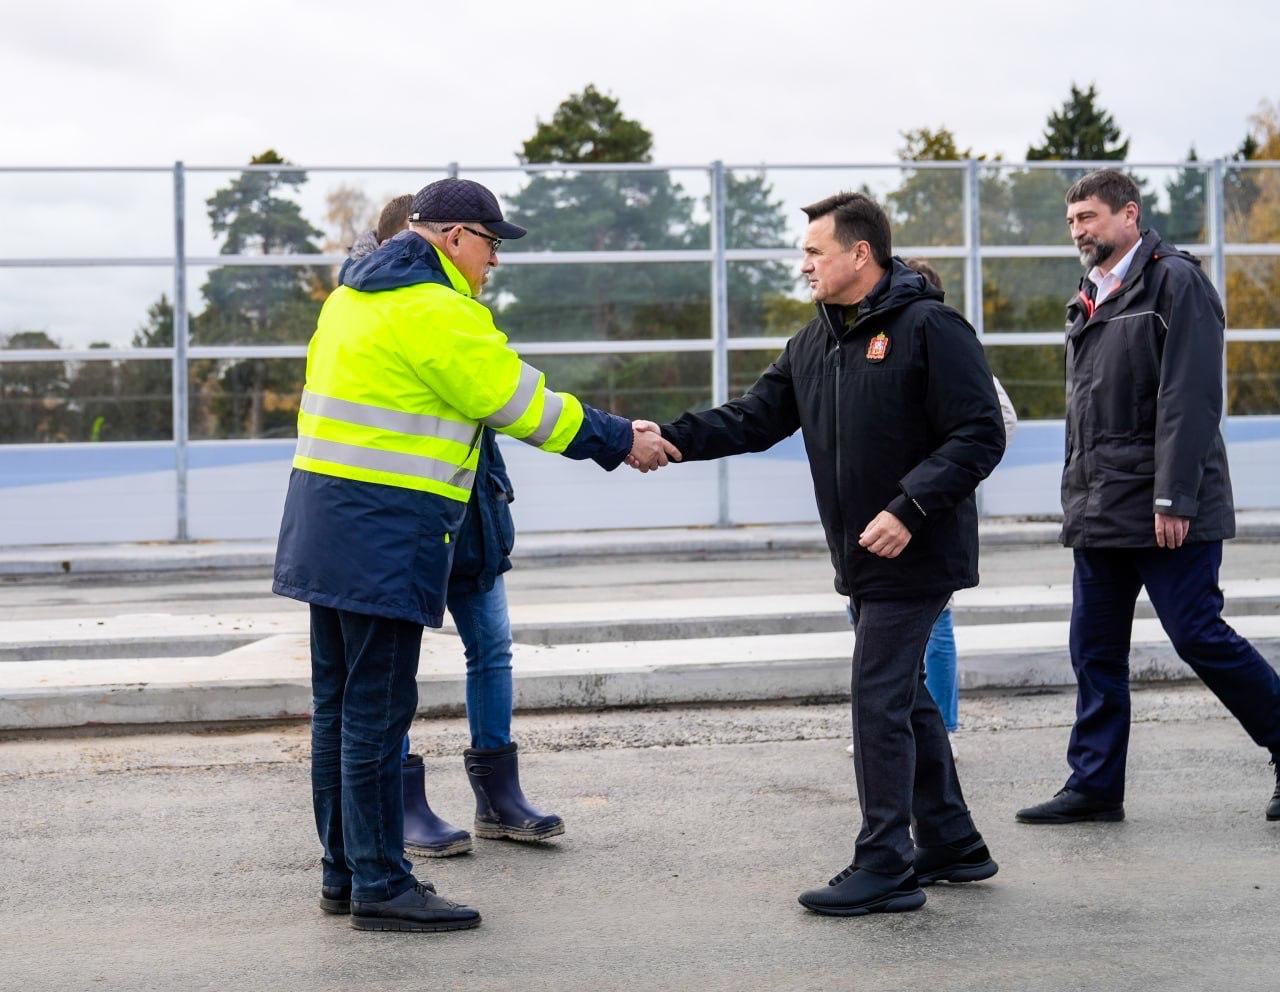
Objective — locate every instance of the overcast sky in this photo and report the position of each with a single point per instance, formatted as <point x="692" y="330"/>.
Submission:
<point x="394" y="82"/>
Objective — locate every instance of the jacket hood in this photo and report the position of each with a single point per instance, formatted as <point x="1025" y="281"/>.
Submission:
<point x="366" y="244"/>
<point x="899" y="286"/>
<point x="408" y="259"/>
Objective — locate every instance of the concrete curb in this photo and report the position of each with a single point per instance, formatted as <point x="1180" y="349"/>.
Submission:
<point x="798" y="667"/>
<point x="692" y="542"/>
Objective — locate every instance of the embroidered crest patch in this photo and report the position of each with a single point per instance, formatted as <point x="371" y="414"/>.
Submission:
<point x="878" y="347"/>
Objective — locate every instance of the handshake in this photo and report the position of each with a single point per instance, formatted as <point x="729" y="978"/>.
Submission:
<point x="649" y="450"/>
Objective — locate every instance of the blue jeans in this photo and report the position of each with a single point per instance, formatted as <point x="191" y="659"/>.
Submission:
<point x="1183" y="587"/>
<point x="364" y="694"/>
<point x="485" y="628"/>
<point x="940" y="670"/>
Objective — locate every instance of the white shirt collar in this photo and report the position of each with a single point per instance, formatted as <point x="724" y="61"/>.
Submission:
<point x="1111" y="281"/>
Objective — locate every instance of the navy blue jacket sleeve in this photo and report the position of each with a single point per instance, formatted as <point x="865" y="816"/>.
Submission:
<point x="603" y="437"/>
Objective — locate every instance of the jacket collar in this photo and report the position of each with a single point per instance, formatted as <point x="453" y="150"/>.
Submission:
<point x="1147" y="248"/>
<point x="899" y="286"/>
<point x="408" y="259"/>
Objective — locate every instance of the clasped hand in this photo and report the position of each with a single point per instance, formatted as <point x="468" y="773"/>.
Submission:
<point x="649" y="449"/>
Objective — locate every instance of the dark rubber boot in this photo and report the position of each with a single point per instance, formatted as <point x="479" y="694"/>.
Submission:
<point x="424" y="832"/>
<point x="1273" y="807"/>
<point x="502" y="812"/>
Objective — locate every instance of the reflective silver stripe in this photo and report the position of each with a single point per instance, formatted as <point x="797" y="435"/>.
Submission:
<point x="552" y="404"/>
<point x="515" y="408"/>
<point x="418" y="466"/>
<point x="419" y="425"/>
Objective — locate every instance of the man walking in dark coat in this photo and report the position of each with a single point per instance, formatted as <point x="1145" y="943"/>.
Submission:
<point x="1145" y="492"/>
<point x="901" y="423"/>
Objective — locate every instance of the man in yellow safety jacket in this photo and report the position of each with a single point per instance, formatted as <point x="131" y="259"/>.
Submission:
<point x="404" y="371"/>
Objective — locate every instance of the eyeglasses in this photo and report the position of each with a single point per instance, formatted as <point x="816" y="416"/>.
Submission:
<point x="494" y="243"/>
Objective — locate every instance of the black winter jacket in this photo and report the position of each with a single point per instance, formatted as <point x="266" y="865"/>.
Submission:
<point x="913" y="433"/>
<point x="1144" y="406"/>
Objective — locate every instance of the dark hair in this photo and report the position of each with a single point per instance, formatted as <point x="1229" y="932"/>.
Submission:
<point x="1111" y="186"/>
<point x="858" y="218"/>
<point x="926" y="270"/>
<point x="394" y="217"/>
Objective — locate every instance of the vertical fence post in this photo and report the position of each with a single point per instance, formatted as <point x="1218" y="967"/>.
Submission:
<point x="180" y="335"/>
<point x="719" y="325"/>
<point x="452" y="168"/>
<point x="973" y="247"/>
<point x="1218" y="246"/>
<point x="973" y="265"/>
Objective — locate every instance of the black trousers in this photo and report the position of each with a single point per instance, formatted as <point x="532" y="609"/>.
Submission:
<point x="901" y="755"/>
<point x="1183" y="587"/>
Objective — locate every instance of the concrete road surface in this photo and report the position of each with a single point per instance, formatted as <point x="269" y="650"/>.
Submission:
<point x="187" y="860"/>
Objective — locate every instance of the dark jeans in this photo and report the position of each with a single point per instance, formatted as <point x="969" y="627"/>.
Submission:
<point x="901" y="755"/>
<point x="1183" y="587"/>
<point x="364" y="691"/>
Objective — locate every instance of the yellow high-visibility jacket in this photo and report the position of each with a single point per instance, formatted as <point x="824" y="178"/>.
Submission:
<point x="404" y="371"/>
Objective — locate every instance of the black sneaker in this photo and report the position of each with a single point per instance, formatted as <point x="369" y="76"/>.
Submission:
<point x="967" y="860"/>
<point x="416" y="910"/>
<point x="857" y="891"/>
<point x="1273" y="807"/>
<point x="1072" y="807"/>
<point x="336" y="899"/>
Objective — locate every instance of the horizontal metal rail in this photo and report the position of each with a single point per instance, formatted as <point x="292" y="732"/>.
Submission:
<point x="231" y="352"/>
<point x="650" y="256"/>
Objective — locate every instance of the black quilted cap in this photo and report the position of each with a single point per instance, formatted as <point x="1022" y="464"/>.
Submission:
<point x="462" y="200"/>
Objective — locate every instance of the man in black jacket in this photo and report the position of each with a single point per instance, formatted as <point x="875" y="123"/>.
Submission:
<point x="901" y="423"/>
<point x="1146" y="495"/>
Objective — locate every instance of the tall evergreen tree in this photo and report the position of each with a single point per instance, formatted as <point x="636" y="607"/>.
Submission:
<point x="1184" y="220"/>
<point x="33" y="395"/>
<point x="257" y="304"/>
<point x="1081" y="130"/>
<point x="570" y="210"/>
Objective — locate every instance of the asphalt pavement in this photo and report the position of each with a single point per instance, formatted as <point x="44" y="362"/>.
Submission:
<point x="187" y="860"/>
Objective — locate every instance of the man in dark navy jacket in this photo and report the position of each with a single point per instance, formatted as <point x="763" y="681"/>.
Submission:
<point x="1146" y="494"/>
<point x="901" y="422"/>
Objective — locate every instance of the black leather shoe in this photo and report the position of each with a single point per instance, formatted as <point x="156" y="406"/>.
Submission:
<point x="417" y="910"/>
<point x="856" y="892"/>
<point x="1273" y="807"/>
<point x="1072" y="807"/>
<point x="336" y="899"/>
<point x="967" y="860"/>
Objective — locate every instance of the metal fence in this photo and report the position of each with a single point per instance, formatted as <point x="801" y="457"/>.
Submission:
<point x="982" y="242"/>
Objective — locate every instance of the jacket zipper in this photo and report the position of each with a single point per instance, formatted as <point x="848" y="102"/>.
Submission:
<point x="844" y="530"/>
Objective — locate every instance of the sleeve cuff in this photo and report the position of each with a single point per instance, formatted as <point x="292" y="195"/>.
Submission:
<point x="905" y="509"/>
<point x="1178" y="506"/>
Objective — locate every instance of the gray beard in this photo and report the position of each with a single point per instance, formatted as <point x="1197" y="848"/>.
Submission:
<point x="1097" y="254"/>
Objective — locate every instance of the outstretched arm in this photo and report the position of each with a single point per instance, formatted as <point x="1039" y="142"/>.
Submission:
<point x="755" y="421"/>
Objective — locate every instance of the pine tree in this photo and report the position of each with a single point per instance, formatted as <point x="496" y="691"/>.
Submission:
<point x="257" y="304"/>
<point x="568" y="210"/>
<point x="1080" y="131"/>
